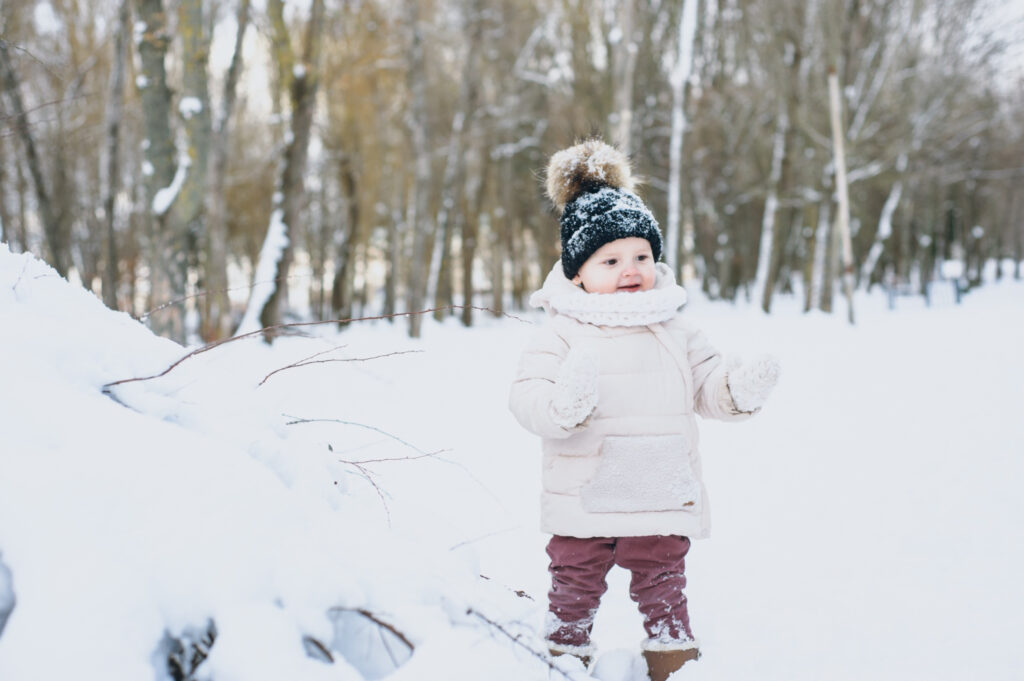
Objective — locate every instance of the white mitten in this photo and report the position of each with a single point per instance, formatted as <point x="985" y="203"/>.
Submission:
<point x="575" y="393"/>
<point x="751" y="383"/>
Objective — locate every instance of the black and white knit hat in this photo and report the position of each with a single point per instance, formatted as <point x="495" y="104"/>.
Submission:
<point x="591" y="183"/>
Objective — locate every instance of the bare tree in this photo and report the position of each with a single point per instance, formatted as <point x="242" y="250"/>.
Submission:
<point x="56" y="239"/>
<point x="114" y="115"/>
<point x="167" y="251"/>
<point x="455" y="163"/>
<point x="271" y="276"/>
<point x="216" y="318"/>
<point x="419" y="219"/>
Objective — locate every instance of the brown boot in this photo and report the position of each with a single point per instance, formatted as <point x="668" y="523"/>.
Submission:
<point x="661" y="663"/>
<point x="581" y="656"/>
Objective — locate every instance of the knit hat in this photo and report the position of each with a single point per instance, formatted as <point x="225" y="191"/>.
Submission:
<point x="591" y="183"/>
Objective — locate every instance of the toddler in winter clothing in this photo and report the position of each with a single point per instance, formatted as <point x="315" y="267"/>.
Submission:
<point x="612" y="384"/>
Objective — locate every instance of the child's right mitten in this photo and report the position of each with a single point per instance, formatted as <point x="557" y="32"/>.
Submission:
<point x="751" y="383"/>
<point x="575" y="392"/>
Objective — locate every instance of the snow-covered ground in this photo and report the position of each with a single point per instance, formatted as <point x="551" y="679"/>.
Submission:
<point x="865" y="526"/>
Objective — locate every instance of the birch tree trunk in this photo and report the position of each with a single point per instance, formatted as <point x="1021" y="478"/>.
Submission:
<point x="819" y="252"/>
<point x="843" y="217"/>
<point x="271" y="278"/>
<point x="7" y="232"/>
<point x="186" y="215"/>
<point x="625" y="68"/>
<point x="216" y="315"/>
<point x="166" y="249"/>
<point x="55" y="239"/>
<point x="469" y="89"/>
<point x="420" y="223"/>
<point x="498" y="243"/>
<point x="476" y="191"/>
<point x="345" y="251"/>
<point x="115" y="107"/>
<point x="884" y="223"/>
<point x="763" y="283"/>
<point x="680" y="74"/>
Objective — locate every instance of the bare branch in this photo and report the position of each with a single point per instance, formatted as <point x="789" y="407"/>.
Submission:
<point x="297" y="420"/>
<point x="380" y="493"/>
<point x="276" y="327"/>
<point x="309" y="360"/>
<point x="517" y="640"/>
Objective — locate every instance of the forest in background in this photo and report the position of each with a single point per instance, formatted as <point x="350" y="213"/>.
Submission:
<point x="214" y="166"/>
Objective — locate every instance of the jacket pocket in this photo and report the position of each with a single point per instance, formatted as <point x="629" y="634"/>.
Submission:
<point x="642" y="473"/>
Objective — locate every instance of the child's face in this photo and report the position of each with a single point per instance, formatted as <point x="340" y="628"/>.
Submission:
<point x="620" y="265"/>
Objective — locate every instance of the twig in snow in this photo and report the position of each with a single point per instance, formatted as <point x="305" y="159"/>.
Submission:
<point x="309" y="360"/>
<point x="275" y="327"/>
<point x="297" y="420"/>
<point x="518" y="592"/>
<point x="384" y="625"/>
<point x="361" y="465"/>
<point x="20" y="275"/>
<point x="366" y="473"/>
<point x="467" y="542"/>
<point x="516" y="639"/>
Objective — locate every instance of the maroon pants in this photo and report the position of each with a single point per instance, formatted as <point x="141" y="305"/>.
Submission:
<point x="578" y="570"/>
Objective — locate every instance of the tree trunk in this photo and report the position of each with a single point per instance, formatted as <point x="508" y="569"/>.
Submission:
<point x="774" y="238"/>
<point x="420" y="223"/>
<point x="680" y="73"/>
<point x="884" y="230"/>
<point x="468" y="102"/>
<point x="477" y="193"/>
<point x="115" y="107"/>
<point x="22" y="207"/>
<point x="167" y="249"/>
<point x="216" y="316"/>
<point x="186" y="214"/>
<point x="811" y="217"/>
<point x="625" y="52"/>
<point x="499" y="252"/>
<point x="7" y="231"/>
<point x="843" y="217"/>
<point x="763" y="279"/>
<point x="60" y="255"/>
<point x="267" y="300"/>
<point x="345" y="253"/>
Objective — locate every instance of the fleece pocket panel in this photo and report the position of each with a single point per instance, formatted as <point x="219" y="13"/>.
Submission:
<point x="642" y="474"/>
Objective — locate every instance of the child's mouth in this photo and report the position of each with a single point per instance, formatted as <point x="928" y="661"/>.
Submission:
<point x="630" y="287"/>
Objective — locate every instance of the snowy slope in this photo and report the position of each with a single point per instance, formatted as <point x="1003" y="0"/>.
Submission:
<point x="865" y="526"/>
<point x="187" y="500"/>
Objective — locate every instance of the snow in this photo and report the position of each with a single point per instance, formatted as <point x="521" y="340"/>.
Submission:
<point x="45" y="19"/>
<point x="164" y="198"/>
<point x="189" y="107"/>
<point x="865" y="523"/>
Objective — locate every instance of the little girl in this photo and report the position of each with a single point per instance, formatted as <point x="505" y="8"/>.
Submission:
<point x="612" y="384"/>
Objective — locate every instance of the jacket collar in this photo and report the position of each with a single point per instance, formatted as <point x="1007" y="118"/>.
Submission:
<point x="661" y="303"/>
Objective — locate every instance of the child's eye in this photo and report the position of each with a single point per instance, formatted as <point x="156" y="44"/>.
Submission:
<point x="611" y="262"/>
<point x="641" y="258"/>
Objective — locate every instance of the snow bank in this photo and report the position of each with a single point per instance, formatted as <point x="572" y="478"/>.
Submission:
<point x="185" y="500"/>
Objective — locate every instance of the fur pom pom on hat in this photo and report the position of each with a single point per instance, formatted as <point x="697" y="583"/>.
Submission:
<point x="592" y="184"/>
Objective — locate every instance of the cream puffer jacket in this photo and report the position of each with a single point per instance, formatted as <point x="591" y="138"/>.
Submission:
<point x="632" y="468"/>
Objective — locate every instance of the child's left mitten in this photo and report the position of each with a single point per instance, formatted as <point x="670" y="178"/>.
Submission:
<point x="751" y="383"/>
<point x="575" y="391"/>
